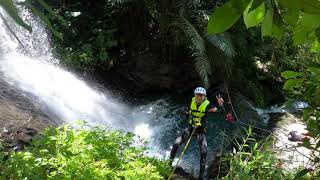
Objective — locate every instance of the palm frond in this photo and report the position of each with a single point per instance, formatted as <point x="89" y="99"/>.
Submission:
<point x="201" y="60"/>
<point x="51" y="11"/>
<point x="9" y="7"/>
<point x="220" y="51"/>
<point x="223" y="43"/>
<point x="45" y="19"/>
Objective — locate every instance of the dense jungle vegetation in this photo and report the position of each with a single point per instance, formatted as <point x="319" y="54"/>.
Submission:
<point x="265" y="49"/>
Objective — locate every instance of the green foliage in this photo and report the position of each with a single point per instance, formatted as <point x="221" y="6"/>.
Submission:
<point x="13" y="12"/>
<point x="299" y="16"/>
<point x="89" y="36"/>
<point x="11" y="9"/>
<point x="254" y="161"/>
<point x="212" y="54"/>
<point x="44" y="18"/>
<point x="226" y="15"/>
<point x="266" y="26"/>
<point x="255" y="16"/>
<point x="66" y="153"/>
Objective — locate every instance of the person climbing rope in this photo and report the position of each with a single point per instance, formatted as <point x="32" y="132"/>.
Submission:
<point x="197" y="119"/>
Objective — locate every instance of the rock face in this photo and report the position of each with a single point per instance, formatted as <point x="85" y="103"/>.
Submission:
<point x="17" y="127"/>
<point x="180" y="174"/>
<point x="20" y="119"/>
<point x="149" y="73"/>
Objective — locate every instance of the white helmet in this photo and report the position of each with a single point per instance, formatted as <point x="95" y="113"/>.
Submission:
<point x="200" y="90"/>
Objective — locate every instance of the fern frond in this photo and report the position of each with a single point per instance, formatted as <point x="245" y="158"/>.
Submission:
<point x="201" y="61"/>
<point x="223" y="43"/>
<point x="220" y="51"/>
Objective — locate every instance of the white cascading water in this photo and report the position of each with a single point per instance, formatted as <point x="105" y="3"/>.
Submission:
<point x="34" y="70"/>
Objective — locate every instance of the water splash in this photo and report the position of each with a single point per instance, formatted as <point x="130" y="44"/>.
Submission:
<point x="289" y="107"/>
<point x="35" y="71"/>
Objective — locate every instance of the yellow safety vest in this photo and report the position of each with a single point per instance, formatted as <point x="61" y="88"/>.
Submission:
<point x="196" y="114"/>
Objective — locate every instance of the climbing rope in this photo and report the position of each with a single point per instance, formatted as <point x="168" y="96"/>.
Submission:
<point x="182" y="153"/>
<point x="270" y="132"/>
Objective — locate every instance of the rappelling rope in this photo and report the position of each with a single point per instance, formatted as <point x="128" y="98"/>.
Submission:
<point x="182" y="153"/>
<point x="235" y="114"/>
<point x="270" y="133"/>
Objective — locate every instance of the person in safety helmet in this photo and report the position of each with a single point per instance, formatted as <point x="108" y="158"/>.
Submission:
<point x="197" y="113"/>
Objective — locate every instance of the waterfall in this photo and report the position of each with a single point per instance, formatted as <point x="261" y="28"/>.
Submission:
<point x="35" y="71"/>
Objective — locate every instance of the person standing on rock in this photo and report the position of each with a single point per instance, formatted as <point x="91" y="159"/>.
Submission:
<point x="197" y="118"/>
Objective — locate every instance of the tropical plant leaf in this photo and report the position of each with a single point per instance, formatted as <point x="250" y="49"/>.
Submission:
<point x="226" y="15"/>
<point x="201" y="61"/>
<point x="220" y="52"/>
<point x="302" y="173"/>
<point x="291" y="83"/>
<point x="254" y="17"/>
<point x="255" y="4"/>
<point x="51" y="11"/>
<point x="291" y="74"/>
<point x="291" y="16"/>
<point x="44" y="18"/>
<point x="9" y="7"/>
<point x="308" y="6"/>
<point x="266" y="26"/>
<point x="223" y="43"/>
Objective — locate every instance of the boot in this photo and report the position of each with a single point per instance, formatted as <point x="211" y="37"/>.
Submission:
<point x="202" y="172"/>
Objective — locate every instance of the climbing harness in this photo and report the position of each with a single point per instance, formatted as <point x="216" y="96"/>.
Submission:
<point x="184" y="149"/>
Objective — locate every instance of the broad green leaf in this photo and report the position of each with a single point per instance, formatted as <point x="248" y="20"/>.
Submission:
<point x="310" y="90"/>
<point x="291" y="83"/>
<point x="9" y="7"/>
<point x="291" y="16"/>
<point x="302" y="173"/>
<point x="313" y="69"/>
<point x="299" y="34"/>
<point x="266" y="26"/>
<point x="255" y="4"/>
<point x="315" y="46"/>
<point x="308" y="6"/>
<point x="255" y="16"/>
<point x="277" y="32"/>
<point x="291" y="74"/>
<point x="44" y="18"/>
<point x="310" y="21"/>
<point x="51" y="11"/>
<point x="266" y="163"/>
<point x="226" y="15"/>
